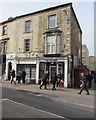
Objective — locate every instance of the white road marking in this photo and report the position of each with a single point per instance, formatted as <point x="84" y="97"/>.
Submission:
<point x="38" y="95"/>
<point x="34" y="108"/>
<point x="69" y="102"/>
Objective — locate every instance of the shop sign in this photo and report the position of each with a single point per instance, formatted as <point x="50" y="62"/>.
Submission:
<point x="10" y="56"/>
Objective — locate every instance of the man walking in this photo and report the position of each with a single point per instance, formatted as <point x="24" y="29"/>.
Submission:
<point x="23" y="76"/>
<point x="54" y="80"/>
<point x="13" y="77"/>
<point x="43" y="80"/>
<point x="83" y="85"/>
<point x="89" y="79"/>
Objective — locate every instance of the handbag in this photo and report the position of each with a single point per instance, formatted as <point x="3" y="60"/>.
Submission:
<point x="81" y="85"/>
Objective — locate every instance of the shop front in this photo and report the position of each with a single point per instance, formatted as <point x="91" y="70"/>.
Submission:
<point x="30" y="72"/>
<point x="35" y="67"/>
<point x="53" y="66"/>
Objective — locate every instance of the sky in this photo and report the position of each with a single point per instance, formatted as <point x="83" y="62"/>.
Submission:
<point x="84" y="11"/>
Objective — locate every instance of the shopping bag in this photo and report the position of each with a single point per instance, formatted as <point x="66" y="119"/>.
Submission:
<point x="81" y="85"/>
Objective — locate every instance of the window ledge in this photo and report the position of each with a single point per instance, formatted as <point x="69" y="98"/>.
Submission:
<point x="52" y="55"/>
<point x="28" y="32"/>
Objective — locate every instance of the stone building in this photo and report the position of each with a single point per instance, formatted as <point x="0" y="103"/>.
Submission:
<point x="85" y="56"/>
<point x="46" y="40"/>
<point x="92" y="63"/>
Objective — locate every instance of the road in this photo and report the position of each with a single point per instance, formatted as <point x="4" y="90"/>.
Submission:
<point x="25" y="104"/>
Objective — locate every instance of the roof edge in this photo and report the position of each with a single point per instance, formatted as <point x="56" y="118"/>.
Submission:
<point x="46" y="9"/>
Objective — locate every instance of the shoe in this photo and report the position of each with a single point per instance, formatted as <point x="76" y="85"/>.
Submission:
<point x="40" y="87"/>
<point x="79" y="93"/>
<point x="88" y="94"/>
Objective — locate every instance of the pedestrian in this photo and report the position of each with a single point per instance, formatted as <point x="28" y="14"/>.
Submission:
<point x="44" y="80"/>
<point x="23" y="75"/>
<point x="54" y="80"/>
<point x="95" y="79"/>
<point x="58" y="79"/>
<point x="89" y="78"/>
<point x="83" y="84"/>
<point x="13" y="77"/>
<point x="19" y="76"/>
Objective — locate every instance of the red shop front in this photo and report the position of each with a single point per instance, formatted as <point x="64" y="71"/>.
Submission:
<point x="77" y="72"/>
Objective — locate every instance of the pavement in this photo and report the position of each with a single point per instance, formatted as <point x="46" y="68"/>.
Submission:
<point x="67" y="95"/>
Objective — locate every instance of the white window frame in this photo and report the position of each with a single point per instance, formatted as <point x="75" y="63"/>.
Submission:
<point x="53" y="47"/>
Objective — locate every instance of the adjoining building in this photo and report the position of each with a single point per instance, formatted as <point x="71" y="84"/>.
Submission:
<point x="46" y="40"/>
<point x="85" y="56"/>
<point x="92" y="63"/>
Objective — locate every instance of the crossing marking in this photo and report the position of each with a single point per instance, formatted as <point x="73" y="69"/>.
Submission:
<point x="5" y="99"/>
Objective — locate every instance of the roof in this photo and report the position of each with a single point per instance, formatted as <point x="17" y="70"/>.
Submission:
<point x="40" y="11"/>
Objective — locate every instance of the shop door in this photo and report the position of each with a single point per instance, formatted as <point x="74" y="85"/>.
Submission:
<point x="52" y="71"/>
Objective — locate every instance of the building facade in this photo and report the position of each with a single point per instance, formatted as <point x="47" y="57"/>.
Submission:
<point x="46" y="40"/>
<point x="85" y="56"/>
<point x="92" y="63"/>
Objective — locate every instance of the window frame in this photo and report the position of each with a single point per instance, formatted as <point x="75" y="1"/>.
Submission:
<point x="53" y="47"/>
<point x="4" y="32"/>
<point x="26" y="45"/>
<point x="50" y="20"/>
<point x="50" y="45"/>
<point x="27" y="26"/>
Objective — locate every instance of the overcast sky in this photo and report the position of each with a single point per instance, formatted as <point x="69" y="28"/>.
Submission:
<point x="83" y="10"/>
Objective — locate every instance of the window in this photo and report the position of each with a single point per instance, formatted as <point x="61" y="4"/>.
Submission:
<point x="28" y="26"/>
<point x="27" y="45"/>
<point x="53" y="44"/>
<point x="4" y="30"/>
<point x="3" y="47"/>
<point x="52" y="21"/>
<point x="79" y="36"/>
<point x="58" y="43"/>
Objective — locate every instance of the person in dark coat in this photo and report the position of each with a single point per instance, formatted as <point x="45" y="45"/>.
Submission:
<point x="89" y="78"/>
<point x="19" y="76"/>
<point x="95" y="79"/>
<point x="13" y="77"/>
<point x="58" y="79"/>
<point x="83" y="85"/>
<point x="44" y="80"/>
<point x="23" y="76"/>
<point x="54" y="80"/>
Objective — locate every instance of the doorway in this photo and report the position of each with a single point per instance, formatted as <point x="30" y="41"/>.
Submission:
<point x="9" y="70"/>
<point x="52" y="71"/>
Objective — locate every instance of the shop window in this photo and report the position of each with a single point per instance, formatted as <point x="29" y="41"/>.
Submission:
<point x="28" y="26"/>
<point x="30" y="71"/>
<point x="41" y="69"/>
<point x="52" y="21"/>
<point x="61" y="69"/>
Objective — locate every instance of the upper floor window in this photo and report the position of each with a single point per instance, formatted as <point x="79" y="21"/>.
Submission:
<point x="4" y="30"/>
<point x="53" y="44"/>
<point x="27" y="45"/>
<point x="52" y="21"/>
<point x="28" y="26"/>
<point x="3" y="46"/>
